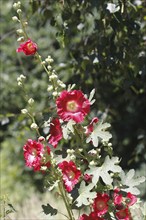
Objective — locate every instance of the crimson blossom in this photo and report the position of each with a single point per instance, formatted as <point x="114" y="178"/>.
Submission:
<point x="100" y="204"/>
<point x="55" y="132"/>
<point x="91" y="216"/>
<point x="123" y="214"/>
<point x="28" y="48"/>
<point x="70" y="173"/>
<point x="121" y="201"/>
<point x="33" y="152"/>
<point x="72" y="105"/>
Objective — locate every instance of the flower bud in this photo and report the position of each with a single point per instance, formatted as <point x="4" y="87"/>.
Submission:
<point x="50" y="88"/>
<point x="31" y="101"/>
<point x="49" y="67"/>
<point x="19" y="11"/>
<point x="34" y="126"/>
<point x="22" y="77"/>
<point x="109" y="144"/>
<point x="41" y="138"/>
<point x="19" y="83"/>
<point x="72" y="157"/>
<point x="24" y="111"/>
<point x="17" y="5"/>
<point x="20" y="31"/>
<point x="55" y="94"/>
<point x="15" y="18"/>
<point x="25" y="23"/>
<point x="20" y="39"/>
<point x="53" y="76"/>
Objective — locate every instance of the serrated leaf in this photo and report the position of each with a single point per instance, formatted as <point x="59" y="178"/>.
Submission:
<point x="85" y="195"/>
<point x="103" y="171"/>
<point x="129" y="181"/>
<point x="68" y="128"/>
<point x="99" y="133"/>
<point x="47" y="209"/>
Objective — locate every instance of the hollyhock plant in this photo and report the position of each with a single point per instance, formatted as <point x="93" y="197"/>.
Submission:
<point x="72" y="105"/>
<point x="70" y="173"/>
<point x="82" y="169"/>
<point x="55" y="132"/>
<point x="100" y="204"/>
<point x="28" y="48"/>
<point x="33" y="152"/>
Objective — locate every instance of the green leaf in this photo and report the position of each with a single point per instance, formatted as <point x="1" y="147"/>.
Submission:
<point x="103" y="171"/>
<point x="129" y="181"/>
<point x="85" y="196"/>
<point x="47" y="209"/>
<point x="99" y="132"/>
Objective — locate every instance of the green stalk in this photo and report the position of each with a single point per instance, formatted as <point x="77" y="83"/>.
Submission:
<point x="66" y="202"/>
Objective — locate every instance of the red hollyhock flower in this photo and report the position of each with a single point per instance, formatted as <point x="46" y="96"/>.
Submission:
<point x="55" y="132"/>
<point x="131" y="199"/>
<point x="91" y="216"/>
<point x="120" y="201"/>
<point x="33" y="152"/>
<point x="72" y="105"/>
<point x="100" y="204"/>
<point x="123" y="214"/>
<point x="28" y="48"/>
<point x="90" y="126"/>
<point x="70" y="173"/>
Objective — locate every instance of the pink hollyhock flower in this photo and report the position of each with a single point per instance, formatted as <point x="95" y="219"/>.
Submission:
<point x="131" y="199"/>
<point x="91" y="216"/>
<point x="119" y="200"/>
<point x="100" y="204"/>
<point x="91" y="125"/>
<point x="70" y="173"/>
<point x="55" y="132"/>
<point x="123" y="214"/>
<point x="33" y="152"/>
<point x="72" y="105"/>
<point x="28" y="48"/>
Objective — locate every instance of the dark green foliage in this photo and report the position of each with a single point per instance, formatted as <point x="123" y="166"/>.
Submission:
<point x="92" y="48"/>
<point x="47" y="209"/>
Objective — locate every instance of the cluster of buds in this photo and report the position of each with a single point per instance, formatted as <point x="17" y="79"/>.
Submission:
<point x="56" y="85"/>
<point x="21" y="79"/>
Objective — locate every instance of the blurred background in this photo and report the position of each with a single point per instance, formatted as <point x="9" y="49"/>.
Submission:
<point x="92" y="48"/>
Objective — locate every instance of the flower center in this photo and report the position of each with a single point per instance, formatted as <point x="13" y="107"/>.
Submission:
<point x="72" y="106"/>
<point x="71" y="175"/>
<point x="100" y="205"/>
<point x="122" y="214"/>
<point x="30" y="46"/>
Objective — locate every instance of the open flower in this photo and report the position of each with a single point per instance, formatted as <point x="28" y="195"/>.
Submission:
<point x="123" y="214"/>
<point x="28" y="48"/>
<point x="55" y="132"/>
<point x="70" y="173"/>
<point x="120" y="201"/>
<point x="100" y="204"/>
<point x="33" y="152"/>
<point x="91" y="216"/>
<point x="72" y="105"/>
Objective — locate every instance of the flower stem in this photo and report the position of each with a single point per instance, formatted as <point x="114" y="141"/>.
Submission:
<point x="66" y="202"/>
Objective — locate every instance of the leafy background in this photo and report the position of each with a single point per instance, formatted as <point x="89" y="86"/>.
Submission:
<point x="92" y="48"/>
